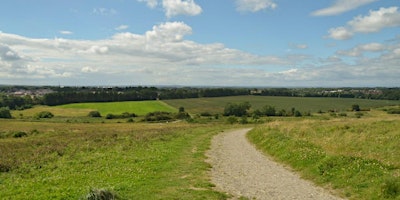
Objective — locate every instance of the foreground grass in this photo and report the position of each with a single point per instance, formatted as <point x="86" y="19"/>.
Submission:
<point x="217" y="104"/>
<point x="136" y="161"/>
<point x="360" y="158"/>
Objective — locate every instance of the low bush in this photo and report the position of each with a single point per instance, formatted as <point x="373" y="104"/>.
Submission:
<point x="121" y="116"/>
<point x="44" y="114"/>
<point x="158" y="116"/>
<point x="19" y="134"/>
<point x="94" y="114"/>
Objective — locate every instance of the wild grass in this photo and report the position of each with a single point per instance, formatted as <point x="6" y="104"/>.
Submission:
<point x="358" y="157"/>
<point x="135" y="161"/>
<point x="304" y="104"/>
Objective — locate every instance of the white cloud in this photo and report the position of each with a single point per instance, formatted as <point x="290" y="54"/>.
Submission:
<point x="122" y="27"/>
<point x="374" y="22"/>
<point x="341" y="6"/>
<point x="181" y="7"/>
<point x="104" y="11"/>
<point x="361" y="49"/>
<point x="89" y="69"/>
<point x="150" y="3"/>
<point x="254" y="5"/>
<point x="163" y="55"/>
<point x="66" y="32"/>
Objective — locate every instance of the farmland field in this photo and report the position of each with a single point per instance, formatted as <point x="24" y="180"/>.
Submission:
<point x="137" y="107"/>
<point x="217" y="104"/>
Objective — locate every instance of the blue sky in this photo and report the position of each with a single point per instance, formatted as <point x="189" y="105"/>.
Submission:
<point x="271" y="43"/>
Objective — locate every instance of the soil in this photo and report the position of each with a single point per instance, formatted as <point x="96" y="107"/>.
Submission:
<point x="240" y="170"/>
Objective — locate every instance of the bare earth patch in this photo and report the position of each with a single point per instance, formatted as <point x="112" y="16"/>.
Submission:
<point x="242" y="171"/>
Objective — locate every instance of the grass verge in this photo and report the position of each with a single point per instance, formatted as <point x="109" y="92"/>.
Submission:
<point x="359" y="158"/>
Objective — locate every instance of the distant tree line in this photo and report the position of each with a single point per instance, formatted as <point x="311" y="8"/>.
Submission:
<point x="65" y="95"/>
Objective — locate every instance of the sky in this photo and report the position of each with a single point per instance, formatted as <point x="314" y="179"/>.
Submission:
<point x="245" y="43"/>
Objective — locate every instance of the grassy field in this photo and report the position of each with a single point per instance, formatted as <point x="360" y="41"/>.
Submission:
<point x="67" y="156"/>
<point x="135" y="161"/>
<point x="360" y="158"/>
<point x="137" y="107"/>
<point x="216" y="105"/>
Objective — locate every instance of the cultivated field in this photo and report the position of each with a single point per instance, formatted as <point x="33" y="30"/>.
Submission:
<point x="216" y="105"/>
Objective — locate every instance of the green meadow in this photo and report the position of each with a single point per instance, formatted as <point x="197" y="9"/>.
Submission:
<point x="355" y="156"/>
<point x="137" y="107"/>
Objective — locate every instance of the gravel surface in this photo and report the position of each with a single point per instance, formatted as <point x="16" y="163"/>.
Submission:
<point x="242" y="171"/>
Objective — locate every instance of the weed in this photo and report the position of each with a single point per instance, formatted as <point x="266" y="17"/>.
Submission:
<point x="391" y="188"/>
<point x="101" y="194"/>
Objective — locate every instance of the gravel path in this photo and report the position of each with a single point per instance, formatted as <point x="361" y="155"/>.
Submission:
<point x="242" y="171"/>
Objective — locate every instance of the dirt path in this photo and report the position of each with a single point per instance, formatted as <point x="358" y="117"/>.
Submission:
<point x="240" y="170"/>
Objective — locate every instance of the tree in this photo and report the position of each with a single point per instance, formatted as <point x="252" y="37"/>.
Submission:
<point x="5" y="113"/>
<point x="238" y="110"/>
<point x="269" y="110"/>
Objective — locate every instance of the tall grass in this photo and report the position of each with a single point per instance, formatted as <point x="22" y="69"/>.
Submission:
<point x="136" y="161"/>
<point x="360" y="158"/>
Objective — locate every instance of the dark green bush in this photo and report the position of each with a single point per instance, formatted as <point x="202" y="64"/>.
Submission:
<point x="94" y="114"/>
<point x="121" y="116"/>
<point x="158" y="116"/>
<point x="5" y="113"/>
<point x="44" y="114"/>
<point x="20" y="134"/>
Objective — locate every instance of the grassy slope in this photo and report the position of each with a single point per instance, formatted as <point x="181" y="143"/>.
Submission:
<point x="137" y="161"/>
<point x="359" y="157"/>
<point x="216" y="105"/>
<point x="137" y="107"/>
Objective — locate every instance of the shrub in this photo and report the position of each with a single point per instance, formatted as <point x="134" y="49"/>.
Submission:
<point x="19" y="134"/>
<point x="121" y="116"/>
<point x="44" y="114"/>
<point x="393" y="111"/>
<point x="355" y="107"/>
<point x="5" y="113"/>
<point x="94" y="114"/>
<point x="158" y="116"/>
<point x="182" y="115"/>
<point x="232" y="120"/>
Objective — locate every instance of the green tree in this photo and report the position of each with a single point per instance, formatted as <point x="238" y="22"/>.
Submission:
<point x="269" y="110"/>
<point x="5" y="113"/>
<point x="238" y="110"/>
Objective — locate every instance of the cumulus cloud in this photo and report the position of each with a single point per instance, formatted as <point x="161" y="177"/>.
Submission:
<point x="175" y="7"/>
<point x="254" y="5"/>
<point x="164" y="55"/>
<point x="341" y="6"/>
<point x="181" y="7"/>
<point x="361" y="49"/>
<point x="374" y="22"/>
